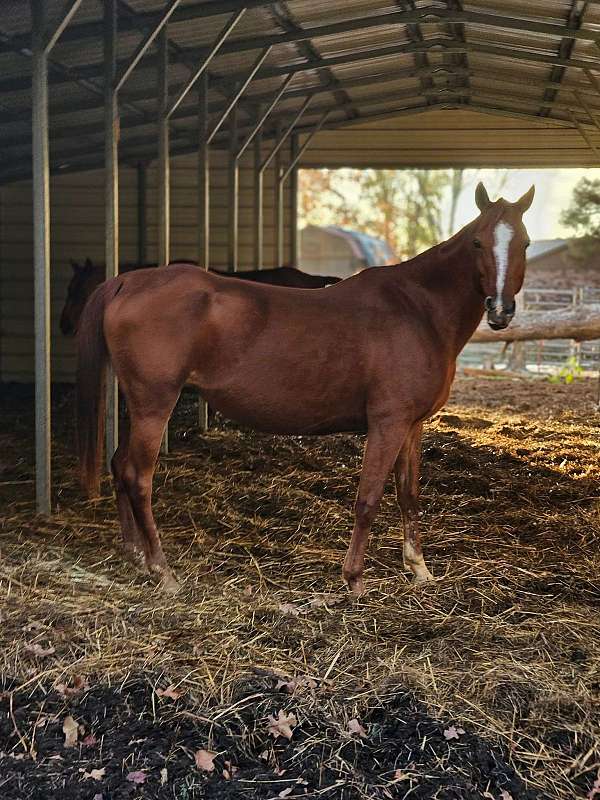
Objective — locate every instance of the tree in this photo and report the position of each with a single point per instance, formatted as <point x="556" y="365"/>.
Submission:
<point x="582" y="215"/>
<point x="404" y="207"/>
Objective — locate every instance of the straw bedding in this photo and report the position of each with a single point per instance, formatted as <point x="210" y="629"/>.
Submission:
<point x="484" y="684"/>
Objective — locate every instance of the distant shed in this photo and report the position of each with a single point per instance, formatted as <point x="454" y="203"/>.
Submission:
<point x="331" y="250"/>
<point x="563" y="264"/>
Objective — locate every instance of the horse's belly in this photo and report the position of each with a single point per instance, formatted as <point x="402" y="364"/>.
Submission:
<point x="276" y="409"/>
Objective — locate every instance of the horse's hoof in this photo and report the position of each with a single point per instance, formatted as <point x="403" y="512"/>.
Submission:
<point x="169" y="583"/>
<point x="356" y="585"/>
<point x="135" y="557"/>
<point x="423" y="578"/>
<point x="166" y="579"/>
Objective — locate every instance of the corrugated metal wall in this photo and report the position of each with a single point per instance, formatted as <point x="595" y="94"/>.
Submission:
<point x="77" y="209"/>
<point x="451" y="138"/>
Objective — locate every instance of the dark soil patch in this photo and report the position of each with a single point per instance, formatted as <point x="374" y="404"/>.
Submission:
<point x="132" y="734"/>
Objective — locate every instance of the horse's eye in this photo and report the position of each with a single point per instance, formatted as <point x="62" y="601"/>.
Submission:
<point x="477" y="242"/>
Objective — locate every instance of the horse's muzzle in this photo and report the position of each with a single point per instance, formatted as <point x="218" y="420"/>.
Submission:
<point x="499" y="317"/>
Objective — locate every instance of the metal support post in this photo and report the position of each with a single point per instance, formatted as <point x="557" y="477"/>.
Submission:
<point x="111" y="199"/>
<point x="142" y="213"/>
<point x="294" y="249"/>
<point x="233" y="194"/>
<point x="203" y="205"/>
<point x="41" y="258"/>
<point x="258" y="201"/>
<point x="278" y="186"/>
<point x="164" y="186"/>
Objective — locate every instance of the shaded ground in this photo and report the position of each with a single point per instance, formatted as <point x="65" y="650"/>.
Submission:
<point x="133" y="743"/>
<point x="505" y="644"/>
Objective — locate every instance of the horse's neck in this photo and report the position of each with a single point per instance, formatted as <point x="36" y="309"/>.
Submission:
<point x="450" y="275"/>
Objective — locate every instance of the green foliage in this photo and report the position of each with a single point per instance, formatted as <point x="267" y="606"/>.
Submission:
<point x="404" y="207"/>
<point x="568" y="372"/>
<point x="583" y="213"/>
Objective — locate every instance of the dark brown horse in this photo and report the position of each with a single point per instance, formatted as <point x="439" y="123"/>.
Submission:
<point x="88" y="276"/>
<point x="375" y="353"/>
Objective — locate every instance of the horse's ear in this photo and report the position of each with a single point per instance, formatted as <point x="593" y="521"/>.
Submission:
<point x="481" y="197"/>
<point x="88" y="263"/>
<point x="74" y="265"/>
<point x="525" y="202"/>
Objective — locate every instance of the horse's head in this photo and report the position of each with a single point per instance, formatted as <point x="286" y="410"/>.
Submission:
<point x="500" y="240"/>
<point x="86" y="277"/>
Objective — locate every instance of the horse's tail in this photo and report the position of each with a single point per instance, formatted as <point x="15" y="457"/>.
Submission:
<point x="92" y="358"/>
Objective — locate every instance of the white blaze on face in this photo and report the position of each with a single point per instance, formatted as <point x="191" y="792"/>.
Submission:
<point x="503" y="234"/>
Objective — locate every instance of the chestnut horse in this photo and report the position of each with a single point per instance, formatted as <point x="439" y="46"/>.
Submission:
<point x="375" y="353"/>
<point x="87" y="276"/>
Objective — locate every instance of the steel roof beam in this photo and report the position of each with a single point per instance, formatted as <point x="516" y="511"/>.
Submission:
<point x="145" y="44"/>
<point x="463" y="93"/>
<point x="306" y="47"/>
<point x="148" y="20"/>
<point x="219" y="41"/>
<point x="238" y="93"/>
<point x="23" y="170"/>
<point x="429" y="15"/>
<point x="202" y="10"/>
<point x="565" y="50"/>
<point x="442" y="45"/>
<point x="67" y="15"/>
<point x="376" y="79"/>
<point x="263" y="116"/>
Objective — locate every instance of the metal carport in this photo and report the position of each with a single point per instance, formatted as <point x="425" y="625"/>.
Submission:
<point x="85" y="85"/>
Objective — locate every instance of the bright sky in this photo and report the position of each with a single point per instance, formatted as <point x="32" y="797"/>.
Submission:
<point x="553" y="192"/>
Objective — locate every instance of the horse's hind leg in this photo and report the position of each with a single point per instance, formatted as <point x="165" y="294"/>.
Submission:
<point x="133" y="543"/>
<point x="145" y="435"/>
<point x="406" y="473"/>
<point x="383" y="443"/>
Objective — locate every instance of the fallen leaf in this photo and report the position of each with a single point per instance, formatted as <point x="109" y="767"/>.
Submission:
<point x="399" y="775"/>
<point x="354" y="726"/>
<point x="34" y="625"/>
<point x="453" y="733"/>
<point x="136" y="777"/>
<point x="289" y="610"/>
<point x="301" y="682"/>
<point x="286" y="792"/>
<point x="79" y="684"/>
<point x="71" y="731"/>
<point x="163" y="776"/>
<point x="504" y="795"/>
<point x="205" y="760"/>
<point x="248" y="591"/>
<point x="230" y="771"/>
<point x="94" y="774"/>
<point x="281" y="725"/>
<point x="39" y="651"/>
<point x="89" y="741"/>
<point x="171" y="692"/>
<point x="595" y="790"/>
<point x="325" y="600"/>
<point x="99" y="796"/>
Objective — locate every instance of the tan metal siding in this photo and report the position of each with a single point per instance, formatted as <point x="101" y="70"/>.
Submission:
<point x="454" y="138"/>
<point x="77" y="213"/>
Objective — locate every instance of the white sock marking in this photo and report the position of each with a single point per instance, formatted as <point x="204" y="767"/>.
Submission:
<point x="503" y="234"/>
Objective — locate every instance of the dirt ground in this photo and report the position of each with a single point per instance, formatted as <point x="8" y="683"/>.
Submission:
<point x="484" y="684"/>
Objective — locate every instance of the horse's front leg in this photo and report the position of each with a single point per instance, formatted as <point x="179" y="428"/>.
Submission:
<point x="406" y="473"/>
<point x="384" y="441"/>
